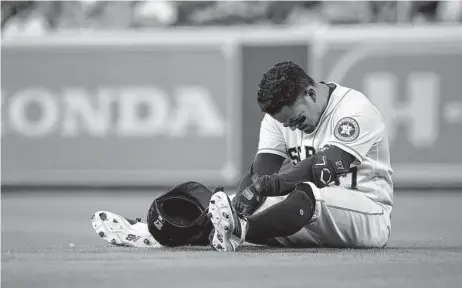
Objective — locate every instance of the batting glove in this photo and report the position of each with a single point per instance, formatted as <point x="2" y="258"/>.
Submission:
<point x="250" y="199"/>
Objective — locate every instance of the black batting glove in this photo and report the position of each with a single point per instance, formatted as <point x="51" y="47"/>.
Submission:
<point x="246" y="202"/>
<point x="249" y="200"/>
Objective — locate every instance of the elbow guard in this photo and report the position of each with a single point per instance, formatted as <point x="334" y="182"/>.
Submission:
<point x="330" y="163"/>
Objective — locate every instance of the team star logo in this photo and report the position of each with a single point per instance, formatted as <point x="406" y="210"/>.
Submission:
<point x="347" y="129"/>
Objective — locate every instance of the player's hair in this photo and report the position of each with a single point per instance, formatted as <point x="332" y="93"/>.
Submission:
<point x="281" y="86"/>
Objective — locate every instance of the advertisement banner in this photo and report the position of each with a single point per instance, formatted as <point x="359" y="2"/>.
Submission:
<point x="158" y="109"/>
<point x="414" y="80"/>
<point x="118" y="114"/>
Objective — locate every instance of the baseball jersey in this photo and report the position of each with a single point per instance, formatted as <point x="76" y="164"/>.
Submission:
<point x="350" y="122"/>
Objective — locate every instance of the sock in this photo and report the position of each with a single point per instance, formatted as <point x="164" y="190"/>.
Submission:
<point x="237" y="229"/>
<point x="282" y="219"/>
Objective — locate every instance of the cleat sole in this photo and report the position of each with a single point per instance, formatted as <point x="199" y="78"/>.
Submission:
<point x="116" y="230"/>
<point x="220" y="208"/>
<point x="103" y="216"/>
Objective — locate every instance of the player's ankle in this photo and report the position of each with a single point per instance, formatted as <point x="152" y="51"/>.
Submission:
<point x="240" y="229"/>
<point x="237" y="227"/>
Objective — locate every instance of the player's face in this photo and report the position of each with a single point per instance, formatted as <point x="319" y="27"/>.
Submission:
<point x="303" y="115"/>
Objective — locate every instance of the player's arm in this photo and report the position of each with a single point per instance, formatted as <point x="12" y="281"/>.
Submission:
<point x="270" y="155"/>
<point x="263" y="164"/>
<point x="322" y="168"/>
<point x="269" y="159"/>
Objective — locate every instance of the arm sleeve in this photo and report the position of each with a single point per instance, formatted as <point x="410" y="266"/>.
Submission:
<point x="356" y="132"/>
<point x="271" y="138"/>
<point x="264" y="164"/>
<point x="284" y="183"/>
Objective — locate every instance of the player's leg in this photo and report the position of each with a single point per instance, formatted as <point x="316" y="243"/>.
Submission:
<point x="348" y="218"/>
<point x="260" y="239"/>
<point x="341" y="218"/>
<point x="283" y="218"/>
<point x="121" y="231"/>
<point x="279" y="219"/>
<point x="301" y="238"/>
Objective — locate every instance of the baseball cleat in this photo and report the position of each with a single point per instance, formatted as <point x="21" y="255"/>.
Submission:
<point x="229" y="229"/>
<point x="121" y="231"/>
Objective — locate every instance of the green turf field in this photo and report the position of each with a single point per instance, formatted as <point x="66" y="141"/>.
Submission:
<point x="425" y="249"/>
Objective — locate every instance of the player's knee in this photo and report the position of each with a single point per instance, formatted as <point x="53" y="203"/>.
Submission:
<point x="306" y="188"/>
<point x="305" y="204"/>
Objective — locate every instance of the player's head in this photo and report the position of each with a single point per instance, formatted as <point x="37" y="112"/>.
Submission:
<point x="289" y="95"/>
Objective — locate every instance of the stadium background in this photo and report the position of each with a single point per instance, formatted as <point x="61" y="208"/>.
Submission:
<point x="106" y="104"/>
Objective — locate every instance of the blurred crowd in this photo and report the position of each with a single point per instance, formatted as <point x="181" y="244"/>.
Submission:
<point x="35" y="18"/>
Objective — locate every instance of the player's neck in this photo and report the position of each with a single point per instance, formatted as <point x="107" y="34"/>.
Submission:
<point x="323" y="97"/>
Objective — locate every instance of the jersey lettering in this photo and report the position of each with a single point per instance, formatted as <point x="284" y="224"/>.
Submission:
<point x="294" y="153"/>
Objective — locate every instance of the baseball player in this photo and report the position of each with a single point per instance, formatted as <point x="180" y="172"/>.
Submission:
<point x="338" y="192"/>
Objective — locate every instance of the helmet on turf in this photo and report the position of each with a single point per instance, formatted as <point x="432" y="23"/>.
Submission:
<point x="179" y="217"/>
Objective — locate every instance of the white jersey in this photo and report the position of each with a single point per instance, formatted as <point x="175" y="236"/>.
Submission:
<point x="350" y="122"/>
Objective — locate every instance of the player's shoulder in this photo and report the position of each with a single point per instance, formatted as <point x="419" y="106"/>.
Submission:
<point x="353" y="102"/>
<point x="355" y="115"/>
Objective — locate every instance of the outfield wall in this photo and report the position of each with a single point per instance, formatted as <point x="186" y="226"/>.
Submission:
<point x="161" y="107"/>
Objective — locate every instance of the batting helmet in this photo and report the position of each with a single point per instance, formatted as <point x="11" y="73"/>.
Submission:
<point x="179" y="217"/>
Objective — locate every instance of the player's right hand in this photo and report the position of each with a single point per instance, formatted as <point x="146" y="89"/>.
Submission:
<point x="246" y="202"/>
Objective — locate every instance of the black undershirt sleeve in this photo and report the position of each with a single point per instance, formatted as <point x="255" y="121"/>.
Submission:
<point x="267" y="163"/>
<point x="284" y="183"/>
<point x="263" y="164"/>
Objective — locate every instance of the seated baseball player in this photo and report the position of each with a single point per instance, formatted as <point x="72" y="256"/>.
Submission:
<point x="339" y="191"/>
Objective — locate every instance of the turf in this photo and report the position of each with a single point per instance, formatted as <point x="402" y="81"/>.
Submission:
<point x="425" y="249"/>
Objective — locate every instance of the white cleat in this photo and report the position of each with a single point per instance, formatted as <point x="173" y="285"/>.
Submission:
<point x="120" y="231"/>
<point x="225" y="220"/>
